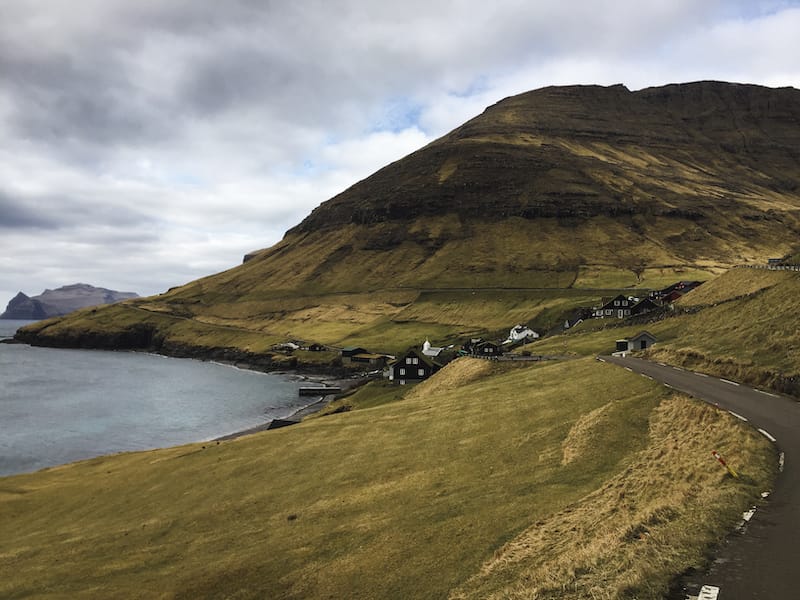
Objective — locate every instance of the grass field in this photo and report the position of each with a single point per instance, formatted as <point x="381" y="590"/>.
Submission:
<point x="419" y="497"/>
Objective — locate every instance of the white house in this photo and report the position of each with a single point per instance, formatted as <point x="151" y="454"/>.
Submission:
<point x="429" y="350"/>
<point x="521" y="333"/>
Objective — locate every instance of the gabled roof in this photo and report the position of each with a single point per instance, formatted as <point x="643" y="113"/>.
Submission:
<point x="416" y="352"/>
<point x="607" y="302"/>
<point x="642" y="334"/>
<point x="645" y="300"/>
<point x="349" y="351"/>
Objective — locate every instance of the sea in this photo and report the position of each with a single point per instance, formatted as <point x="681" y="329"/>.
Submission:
<point x="59" y="406"/>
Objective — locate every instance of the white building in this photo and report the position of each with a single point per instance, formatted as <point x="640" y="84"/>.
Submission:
<point x="521" y="333"/>
<point x="429" y="350"/>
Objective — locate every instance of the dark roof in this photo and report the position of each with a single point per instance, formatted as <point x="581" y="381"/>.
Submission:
<point x="350" y="350"/>
<point x="643" y="334"/>
<point x="644" y="302"/>
<point x="608" y="301"/>
<point x="417" y="352"/>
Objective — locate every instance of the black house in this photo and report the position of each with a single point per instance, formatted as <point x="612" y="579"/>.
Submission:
<point x="411" y="367"/>
<point x="487" y="350"/>
<point x="644" y="305"/>
<point x="619" y="307"/>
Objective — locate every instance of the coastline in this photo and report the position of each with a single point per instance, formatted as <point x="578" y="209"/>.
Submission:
<point x="291" y="411"/>
<point x="299" y="414"/>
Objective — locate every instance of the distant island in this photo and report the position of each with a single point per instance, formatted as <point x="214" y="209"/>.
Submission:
<point x="61" y="301"/>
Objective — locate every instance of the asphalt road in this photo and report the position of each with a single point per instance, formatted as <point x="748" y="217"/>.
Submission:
<point x="764" y="562"/>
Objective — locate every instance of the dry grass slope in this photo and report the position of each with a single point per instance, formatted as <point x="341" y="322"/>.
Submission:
<point x="623" y="540"/>
<point x="406" y="500"/>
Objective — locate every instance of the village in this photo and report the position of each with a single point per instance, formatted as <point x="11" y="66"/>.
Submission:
<point x="420" y="362"/>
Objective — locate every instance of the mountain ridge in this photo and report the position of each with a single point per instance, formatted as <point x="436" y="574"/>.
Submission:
<point x="61" y="301"/>
<point x="539" y="124"/>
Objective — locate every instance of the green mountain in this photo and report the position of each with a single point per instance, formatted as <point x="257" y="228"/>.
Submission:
<point x="579" y="187"/>
<point x="702" y="174"/>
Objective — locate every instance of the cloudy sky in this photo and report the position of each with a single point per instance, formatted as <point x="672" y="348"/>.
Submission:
<point x="146" y="143"/>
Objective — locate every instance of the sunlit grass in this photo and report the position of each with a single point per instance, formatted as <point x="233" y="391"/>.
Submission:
<point x="405" y="500"/>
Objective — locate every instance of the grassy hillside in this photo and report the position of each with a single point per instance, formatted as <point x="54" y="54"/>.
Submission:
<point x="388" y="321"/>
<point x="422" y="498"/>
<point x="741" y="325"/>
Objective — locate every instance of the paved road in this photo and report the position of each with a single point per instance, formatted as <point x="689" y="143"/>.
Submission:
<point x="765" y="562"/>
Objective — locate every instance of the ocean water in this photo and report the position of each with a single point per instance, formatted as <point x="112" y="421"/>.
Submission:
<point x="58" y="406"/>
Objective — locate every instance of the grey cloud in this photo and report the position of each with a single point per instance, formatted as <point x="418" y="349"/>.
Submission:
<point x="18" y="215"/>
<point x="51" y="212"/>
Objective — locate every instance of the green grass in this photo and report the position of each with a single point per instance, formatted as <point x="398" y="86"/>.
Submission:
<point x="374" y="393"/>
<point x="404" y="500"/>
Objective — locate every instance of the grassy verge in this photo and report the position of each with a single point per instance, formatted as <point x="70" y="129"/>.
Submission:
<point x="625" y="539"/>
<point x="406" y="500"/>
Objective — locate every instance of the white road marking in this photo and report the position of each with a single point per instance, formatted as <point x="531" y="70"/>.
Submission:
<point x="767" y="393"/>
<point x="781" y="462"/>
<point x="738" y="416"/>
<point x="669" y="386"/>
<point x="629" y="369"/>
<point x="601" y="359"/>
<point x="701" y="374"/>
<point x="708" y="592"/>
<point x="728" y="381"/>
<point x="677" y="368"/>
<point x="767" y="435"/>
<point x="646" y="376"/>
<point x="662" y="364"/>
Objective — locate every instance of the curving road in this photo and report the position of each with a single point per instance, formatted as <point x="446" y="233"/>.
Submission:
<point x="764" y="563"/>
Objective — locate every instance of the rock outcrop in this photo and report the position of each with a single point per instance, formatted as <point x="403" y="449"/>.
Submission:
<point x="23" y="307"/>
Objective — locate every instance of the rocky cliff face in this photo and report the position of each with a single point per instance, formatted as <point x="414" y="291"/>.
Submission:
<point x="61" y="301"/>
<point x="691" y="150"/>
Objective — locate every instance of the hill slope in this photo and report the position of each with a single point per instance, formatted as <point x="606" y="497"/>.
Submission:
<point x="406" y="500"/>
<point x="699" y="174"/>
<point x="563" y="187"/>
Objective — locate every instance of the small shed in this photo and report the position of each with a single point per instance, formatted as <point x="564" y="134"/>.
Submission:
<point x="349" y="354"/>
<point x="349" y="351"/>
<point x="376" y="360"/>
<point x="641" y="341"/>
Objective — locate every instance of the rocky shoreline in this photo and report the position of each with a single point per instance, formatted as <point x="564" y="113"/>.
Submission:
<point x="145" y="337"/>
